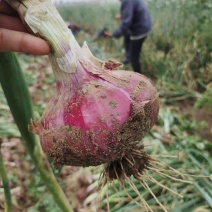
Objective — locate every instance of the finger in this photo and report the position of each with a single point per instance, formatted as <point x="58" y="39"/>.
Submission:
<point x="13" y="23"/>
<point x="7" y="9"/>
<point x="22" y="42"/>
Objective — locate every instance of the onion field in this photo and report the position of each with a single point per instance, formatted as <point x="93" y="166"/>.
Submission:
<point x="177" y="57"/>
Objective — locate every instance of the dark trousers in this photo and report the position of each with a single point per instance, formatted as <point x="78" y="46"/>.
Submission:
<point x="134" y="52"/>
<point x="127" y="47"/>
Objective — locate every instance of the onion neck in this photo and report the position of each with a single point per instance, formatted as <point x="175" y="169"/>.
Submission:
<point x="44" y="20"/>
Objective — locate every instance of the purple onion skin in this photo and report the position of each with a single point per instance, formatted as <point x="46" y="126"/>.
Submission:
<point x="99" y="120"/>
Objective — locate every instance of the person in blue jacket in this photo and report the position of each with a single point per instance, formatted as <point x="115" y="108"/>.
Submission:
<point x="135" y="22"/>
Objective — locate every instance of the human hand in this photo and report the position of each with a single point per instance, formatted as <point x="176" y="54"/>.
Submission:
<point x="108" y="34"/>
<point x="118" y="17"/>
<point x="14" y="36"/>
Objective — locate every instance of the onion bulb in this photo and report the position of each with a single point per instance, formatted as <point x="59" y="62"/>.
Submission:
<point x="97" y="115"/>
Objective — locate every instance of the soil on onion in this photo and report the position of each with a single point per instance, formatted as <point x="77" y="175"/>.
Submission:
<point x="119" y="144"/>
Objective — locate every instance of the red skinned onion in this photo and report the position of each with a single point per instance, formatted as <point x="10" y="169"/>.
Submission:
<point x="99" y="117"/>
